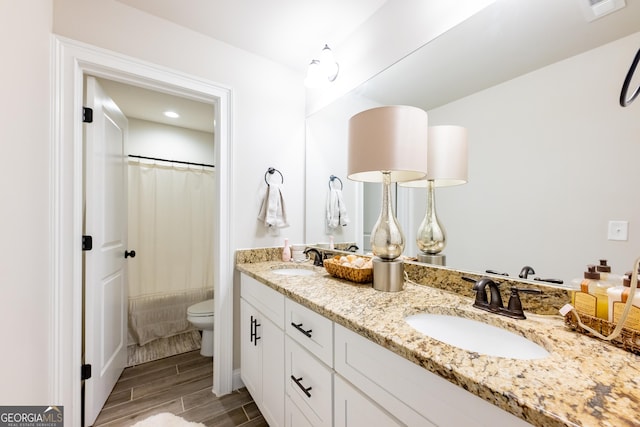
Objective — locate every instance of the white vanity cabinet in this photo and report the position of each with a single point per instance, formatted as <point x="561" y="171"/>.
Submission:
<point x="262" y="347"/>
<point x="303" y="370"/>
<point x="308" y="366"/>
<point x="354" y="409"/>
<point x="406" y="391"/>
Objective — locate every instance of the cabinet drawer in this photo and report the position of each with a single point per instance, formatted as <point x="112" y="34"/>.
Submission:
<point x="311" y="330"/>
<point x="269" y="302"/>
<point x="309" y="384"/>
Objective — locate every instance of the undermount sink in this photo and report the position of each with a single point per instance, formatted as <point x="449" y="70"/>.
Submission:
<point x="293" y="272"/>
<point x="475" y="336"/>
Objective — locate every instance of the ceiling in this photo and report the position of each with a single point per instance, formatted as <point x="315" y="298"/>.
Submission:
<point x="531" y="34"/>
<point x="138" y="103"/>
<point x="289" y="32"/>
<point x="506" y="40"/>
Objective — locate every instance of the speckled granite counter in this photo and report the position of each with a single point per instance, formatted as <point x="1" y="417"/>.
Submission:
<point x="584" y="382"/>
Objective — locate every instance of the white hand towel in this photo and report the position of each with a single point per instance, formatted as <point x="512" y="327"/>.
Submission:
<point x="272" y="211"/>
<point x="336" y="209"/>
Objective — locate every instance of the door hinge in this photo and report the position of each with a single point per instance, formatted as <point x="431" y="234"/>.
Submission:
<point x="87" y="115"/>
<point x="87" y="243"/>
<point x="85" y="372"/>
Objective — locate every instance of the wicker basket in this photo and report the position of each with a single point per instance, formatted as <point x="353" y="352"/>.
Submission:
<point x="628" y="339"/>
<point x="352" y="274"/>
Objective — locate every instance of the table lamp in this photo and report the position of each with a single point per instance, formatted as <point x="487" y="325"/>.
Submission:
<point x="388" y="144"/>
<point x="446" y="165"/>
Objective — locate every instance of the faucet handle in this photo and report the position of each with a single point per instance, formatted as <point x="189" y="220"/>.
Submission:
<point x="514" y="308"/>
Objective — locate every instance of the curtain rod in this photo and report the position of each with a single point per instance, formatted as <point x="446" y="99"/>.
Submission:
<point x="173" y="161"/>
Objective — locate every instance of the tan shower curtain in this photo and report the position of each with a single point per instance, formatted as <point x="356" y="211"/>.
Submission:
<point x="171" y="229"/>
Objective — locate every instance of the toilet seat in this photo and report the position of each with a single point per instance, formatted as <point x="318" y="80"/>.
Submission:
<point x="201" y="309"/>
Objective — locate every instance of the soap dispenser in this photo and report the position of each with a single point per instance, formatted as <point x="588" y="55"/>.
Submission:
<point x="592" y="298"/>
<point x="605" y="274"/>
<point x="618" y="296"/>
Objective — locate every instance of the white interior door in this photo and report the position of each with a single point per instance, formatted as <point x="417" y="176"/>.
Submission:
<point x="105" y="278"/>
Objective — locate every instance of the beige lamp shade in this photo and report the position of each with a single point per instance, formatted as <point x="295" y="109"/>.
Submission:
<point x="447" y="156"/>
<point x="392" y="138"/>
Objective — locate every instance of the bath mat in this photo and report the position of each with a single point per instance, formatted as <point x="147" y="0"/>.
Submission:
<point x="164" y="347"/>
<point x="166" y="419"/>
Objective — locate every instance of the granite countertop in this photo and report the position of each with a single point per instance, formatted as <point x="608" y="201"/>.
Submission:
<point x="584" y="382"/>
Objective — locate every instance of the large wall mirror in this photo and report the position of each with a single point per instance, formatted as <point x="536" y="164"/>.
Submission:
<point x="553" y="157"/>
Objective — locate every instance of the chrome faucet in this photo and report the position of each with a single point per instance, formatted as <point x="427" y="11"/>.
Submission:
<point x="525" y="272"/>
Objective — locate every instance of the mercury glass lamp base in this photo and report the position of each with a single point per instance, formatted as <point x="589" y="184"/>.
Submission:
<point x="436" y="259"/>
<point x="388" y="276"/>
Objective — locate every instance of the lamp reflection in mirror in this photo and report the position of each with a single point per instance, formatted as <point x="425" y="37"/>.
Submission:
<point x="447" y="165"/>
<point x="388" y="144"/>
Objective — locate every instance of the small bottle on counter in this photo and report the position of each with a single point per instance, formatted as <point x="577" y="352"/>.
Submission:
<point x="286" y="251"/>
<point x="618" y="296"/>
<point x="592" y="299"/>
<point x="331" y="243"/>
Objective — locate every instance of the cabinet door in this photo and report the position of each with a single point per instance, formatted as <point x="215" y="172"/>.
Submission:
<point x="294" y="417"/>
<point x="353" y="409"/>
<point x="262" y="362"/>
<point x="273" y="379"/>
<point x="250" y="351"/>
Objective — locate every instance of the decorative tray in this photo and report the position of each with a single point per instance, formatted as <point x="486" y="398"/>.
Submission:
<point x="347" y="268"/>
<point x="629" y="339"/>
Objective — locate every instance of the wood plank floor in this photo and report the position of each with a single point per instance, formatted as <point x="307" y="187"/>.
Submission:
<point x="181" y="385"/>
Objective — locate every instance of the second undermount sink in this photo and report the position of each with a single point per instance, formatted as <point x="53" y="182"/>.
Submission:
<point x="293" y="272"/>
<point x="475" y="336"/>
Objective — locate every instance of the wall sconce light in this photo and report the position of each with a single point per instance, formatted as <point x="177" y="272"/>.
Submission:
<point x="322" y="71"/>
<point x="388" y="144"/>
<point x="447" y="166"/>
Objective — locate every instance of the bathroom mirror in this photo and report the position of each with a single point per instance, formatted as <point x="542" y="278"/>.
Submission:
<point x="553" y="158"/>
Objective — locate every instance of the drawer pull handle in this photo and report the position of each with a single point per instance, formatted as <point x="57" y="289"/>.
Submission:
<point x="298" y="326"/>
<point x="305" y="390"/>
<point x="254" y="331"/>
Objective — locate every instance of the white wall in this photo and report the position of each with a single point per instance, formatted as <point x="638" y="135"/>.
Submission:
<point x="151" y="139"/>
<point x="553" y="158"/>
<point x="268" y="100"/>
<point x="24" y="188"/>
<point x="268" y="110"/>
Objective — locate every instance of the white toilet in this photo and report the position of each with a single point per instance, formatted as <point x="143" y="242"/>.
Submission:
<point x="201" y="316"/>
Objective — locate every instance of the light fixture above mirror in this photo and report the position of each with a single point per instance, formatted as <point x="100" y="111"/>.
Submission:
<point x="322" y="71"/>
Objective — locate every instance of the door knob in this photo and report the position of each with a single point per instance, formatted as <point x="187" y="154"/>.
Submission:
<point x="128" y="254"/>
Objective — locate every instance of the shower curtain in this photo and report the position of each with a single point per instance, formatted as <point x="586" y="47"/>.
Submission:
<point x="171" y="229"/>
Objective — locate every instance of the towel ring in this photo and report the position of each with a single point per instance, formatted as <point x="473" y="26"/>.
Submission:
<point x="271" y="171"/>
<point x="333" y="178"/>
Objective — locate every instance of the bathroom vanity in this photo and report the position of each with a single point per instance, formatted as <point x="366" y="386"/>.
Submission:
<point x="338" y="353"/>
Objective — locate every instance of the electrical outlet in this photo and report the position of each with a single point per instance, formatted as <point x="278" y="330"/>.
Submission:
<point x="618" y="230"/>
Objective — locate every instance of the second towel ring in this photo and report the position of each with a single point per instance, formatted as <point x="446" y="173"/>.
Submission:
<point x="272" y="171"/>
<point x="333" y="178"/>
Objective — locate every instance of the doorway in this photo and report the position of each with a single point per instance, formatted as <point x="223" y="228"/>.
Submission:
<point x="72" y="61"/>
